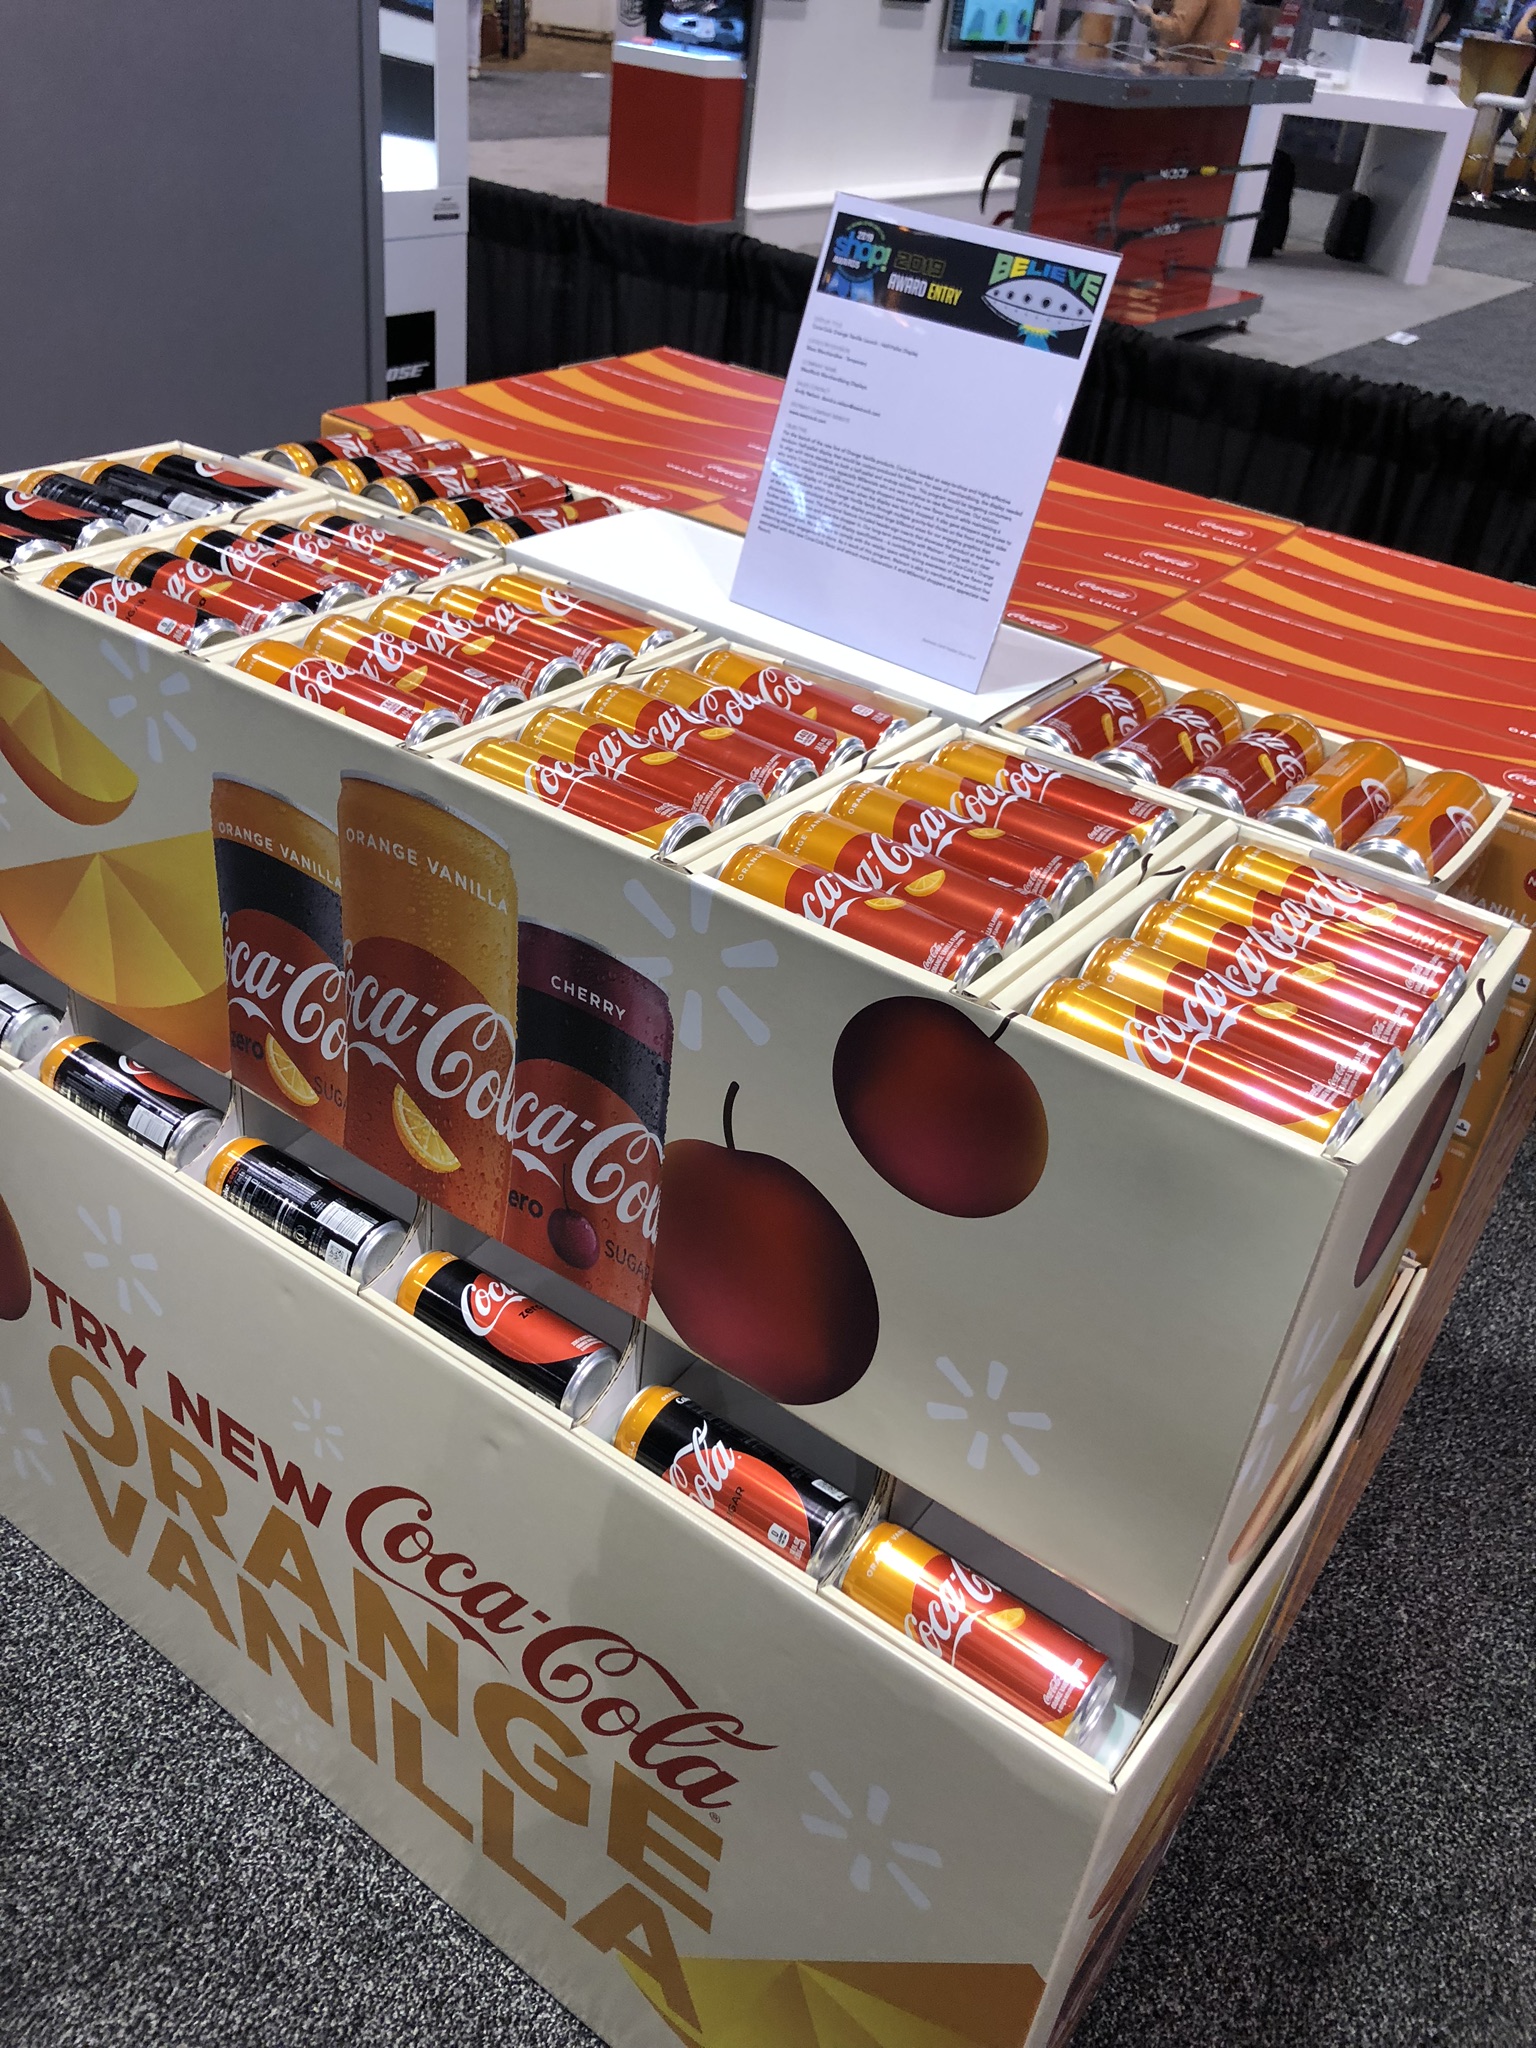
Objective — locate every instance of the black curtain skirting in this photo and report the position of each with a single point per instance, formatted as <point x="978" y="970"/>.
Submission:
<point x="555" y="281"/>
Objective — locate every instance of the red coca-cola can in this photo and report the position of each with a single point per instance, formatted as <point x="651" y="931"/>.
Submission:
<point x="1038" y="782"/>
<point x="325" y="551"/>
<point x="770" y="769"/>
<point x="344" y="691"/>
<point x="1103" y="849"/>
<point x="874" y="862"/>
<point x="589" y="1115"/>
<point x="245" y="608"/>
<point x="1425" y="975"/>
<point x="841" y="706"/>
<point x="1337" y="895"/>
<point x="364" y="538"/>
<point x="874" y="917"/>
<point x="119" y="597"/>
<point x="1100" y="717"/>
<point x="1144" y="1038"/>
<point x="976" y="1627"/>
<point x="469" y="693"/>
<point x="1037" y="872"/>
<point x="1179" y="740"/>
<point x="607" y="750"/>
<point x="1265" y="765"/>
<point x="1258" y="1027"/>
<point x="768" y="1497"/>
<point x="1249" y="965"/>
<point x="453" y="639"/>
<point x="632" y="812"/>
<point x="820" y="743"/>
<point x="229" y="552"/>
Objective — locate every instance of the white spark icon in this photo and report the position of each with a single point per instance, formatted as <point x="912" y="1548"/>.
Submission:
<point x="124" y="1267"/>
<point x="989" y="1415"/>
<point x="158" y="715"/>
<point x="869" y="1842"/>
<point x="324" y="1436"/>
<point x="756" y="953"/>
<point x="23" y="1444"/>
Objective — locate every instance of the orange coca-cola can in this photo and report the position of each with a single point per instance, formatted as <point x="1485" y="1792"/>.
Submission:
<point x="578" y="608"/>
<point x="467" y="692"/>
<point x="429" y="918"/>
<point x="633" y="813"/>
<point x="1104" y="849"/>
<point x="1179" y="740"/>
<point x="1084" y="1010"/>
<point x="1249" y="965"/>
<point x="1056" y="879"/>
<point x="1041" y="782"/>
<point x="1347" y="796"/>
<point x="874" y="917"/>
<point x="454" y="639"/>
<point x="773" y="770"/>
<point x="809" y="737"/>
<point x="1263" y="766"/>
<point x="964" y="1620"/>
<point x="279" y="881"/>
<point x="1101" y="716"/>
<point x="345" y="692"/>
<point x="383" y="543"/>
<point x="693" y="785"/>
<point x="840" y="705"/>
<point x="1430" y="826"/>
<point x="1263" y="1027"/>
<point x="875" y="862"/>
<point x="588" y="1116"/>
<point x="1331" y="895"/>
<point x="1421" y="974"/>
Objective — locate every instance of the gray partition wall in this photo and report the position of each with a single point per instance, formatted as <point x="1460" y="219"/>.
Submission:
<point x="190" y="221"/>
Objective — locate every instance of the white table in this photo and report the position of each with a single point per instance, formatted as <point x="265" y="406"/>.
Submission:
<point x="1413" y="153"/>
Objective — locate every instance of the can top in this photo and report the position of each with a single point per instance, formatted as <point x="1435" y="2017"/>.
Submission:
<point x="226" y="1159"/>
<point x="417" y="1276"/>
<point x="55" y="1055"/>
<point x="639" y="1415"/>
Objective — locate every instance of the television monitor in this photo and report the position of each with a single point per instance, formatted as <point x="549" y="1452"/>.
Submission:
<point x="718" y="26"/>
<point x="977" y="25"/>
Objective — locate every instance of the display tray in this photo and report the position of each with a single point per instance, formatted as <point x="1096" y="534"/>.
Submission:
<point x="660" y="1768"/>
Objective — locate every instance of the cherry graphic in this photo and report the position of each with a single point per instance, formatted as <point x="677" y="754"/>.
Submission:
<point x="758" y="1273"/>
<point x="572" y="1234"/>
<point x="15" y="1271"/>
<point x="938" y="1108"/>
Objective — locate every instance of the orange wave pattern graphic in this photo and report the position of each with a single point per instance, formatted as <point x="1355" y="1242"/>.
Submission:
<point x="1435" y="660"/>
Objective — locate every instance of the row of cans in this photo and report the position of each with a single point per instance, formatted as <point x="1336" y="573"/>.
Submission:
<point x="1278" y="768"/>
<point x="952" y="863"/>
<point x="55" y="511"/>
<point x="445" y="482"/>
<point x="1271" y="985"/>
<point x="668" y="755"/>
<point x="414" y="667"/>
<point x="939" y="1604"/>
<point x="215" y="583"/>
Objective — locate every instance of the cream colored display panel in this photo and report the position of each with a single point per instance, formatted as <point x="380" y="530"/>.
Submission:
<point x="695" y="1797"/>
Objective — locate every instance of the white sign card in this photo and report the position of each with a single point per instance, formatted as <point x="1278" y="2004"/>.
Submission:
<point x="929" y="391"/>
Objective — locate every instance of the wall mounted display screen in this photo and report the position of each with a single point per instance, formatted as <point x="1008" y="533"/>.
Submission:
<point x="719" y="26"/>
<point x="975" y="25"/>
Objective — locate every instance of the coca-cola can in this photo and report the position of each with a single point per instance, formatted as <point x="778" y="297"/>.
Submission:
<point x="510" y="1332"/>
<point x="765" y="1495"/>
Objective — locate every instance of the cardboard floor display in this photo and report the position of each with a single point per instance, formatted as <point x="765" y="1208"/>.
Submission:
<point x="1147" y="1442"/>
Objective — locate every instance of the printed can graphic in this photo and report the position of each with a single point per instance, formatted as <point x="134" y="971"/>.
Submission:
<point x="588" y="1116"/>
<point x="429" y="919"/>
<point x="279" y="876"/>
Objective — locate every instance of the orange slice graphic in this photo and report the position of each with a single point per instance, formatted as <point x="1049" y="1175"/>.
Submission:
<point x="60" y="760"/>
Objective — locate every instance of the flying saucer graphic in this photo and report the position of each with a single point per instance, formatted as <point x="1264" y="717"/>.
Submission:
<point x="1040" y="309"/>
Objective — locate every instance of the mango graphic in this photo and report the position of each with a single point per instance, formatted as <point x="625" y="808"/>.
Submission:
<point x="60" y="760"/>
<point x="726" y="2002"/>
<point x="136" y="930"/>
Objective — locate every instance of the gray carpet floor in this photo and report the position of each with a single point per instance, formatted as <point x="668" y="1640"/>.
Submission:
<point x="1486" y="354"/>
<point x="1360" y="1871"/>
<point x="513" y="105"/>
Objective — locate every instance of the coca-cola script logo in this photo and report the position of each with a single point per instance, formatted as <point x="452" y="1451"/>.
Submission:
<point x="390" y="1531"/>
<point x="309" y="1012"/>
<point x="703" y="1469"/>
<point x="464" y="1054"/>
<point x="618" y="1167"/>
<point x="944" y="1614"/>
